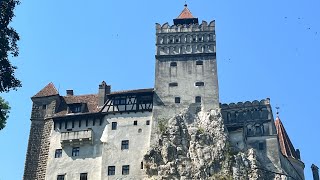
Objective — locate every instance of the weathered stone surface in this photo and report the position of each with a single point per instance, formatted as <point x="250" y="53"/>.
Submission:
<point x="196" y="146"/>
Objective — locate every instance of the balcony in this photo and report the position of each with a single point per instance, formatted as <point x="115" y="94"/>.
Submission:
<point x="76" y="137"/>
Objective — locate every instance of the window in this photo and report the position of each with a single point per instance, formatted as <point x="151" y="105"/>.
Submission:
<point x="119" y="101"/>
<point x="75" y="151"/>
<point x="113" y="125"/>
<point x="198" y="99"/>
<point x="173" y="64"/>
<point x="125" y="170"/>
<point x="199" y="62"/>
<point x="125" y="144"/>
<point x="140" y="130"/>
<point x="177" y="99"/>
<point x="135" y="123"/>
<point x="58" y="153"/>
<point x="261" y="146"/>
<point x="199" y="83"/>
<point x="75" y="108"/>
<point x="173" y="84"/>
<point x="141" y="165"/>
<point x="44" y="106"/>
<point x="111" y="170"/>
<point x="148" y="122"/>
<point x="60" y="177"/>
<point x="83" y="176"/>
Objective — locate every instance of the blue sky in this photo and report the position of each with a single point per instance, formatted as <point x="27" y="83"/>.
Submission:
<point x="265" y="48"/>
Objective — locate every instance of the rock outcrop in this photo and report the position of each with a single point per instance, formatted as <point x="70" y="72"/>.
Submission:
<point x="196" y="146"/>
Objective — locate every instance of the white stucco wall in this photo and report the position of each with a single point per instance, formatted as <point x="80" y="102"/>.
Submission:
<point x="112" y="155"/>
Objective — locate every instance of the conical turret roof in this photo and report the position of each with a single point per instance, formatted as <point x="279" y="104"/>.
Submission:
<point x="48" y="90"/>
<point x="286" y="146"/>
<point x="186" y="13"/>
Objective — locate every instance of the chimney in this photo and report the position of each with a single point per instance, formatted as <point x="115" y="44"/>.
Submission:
<point x="104" y="89"/>
<point x="69" y="92"/>
<point x="315" y="172"/>
<point x="298" y="154"/>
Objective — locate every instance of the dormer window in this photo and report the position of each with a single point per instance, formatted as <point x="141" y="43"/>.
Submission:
<point x="75" y="108"/>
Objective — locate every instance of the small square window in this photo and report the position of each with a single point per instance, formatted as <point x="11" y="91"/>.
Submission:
<point x="84" y="176"/>
<point x="113" y="125"/>
<point x="58" y="153"/>
<point x="135" y="123"/>
<point x="125" y="144"/>
<point x="199" y="62"/>
<point x="44" y="106"/>
<point x="177" y="40"/>
<point x="198" y="99"/>
<point x="75" y="151"/>
<point x="177" y="100"/>
<point x="173" y="64"/>
<point x="148" y="122"/>
<point x="111" y="170"/>
<point x="60" y="177"/>
<point x="125" y="170"/>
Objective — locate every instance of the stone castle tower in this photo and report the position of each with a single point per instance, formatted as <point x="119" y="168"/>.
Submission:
<point x="107" y="135"/>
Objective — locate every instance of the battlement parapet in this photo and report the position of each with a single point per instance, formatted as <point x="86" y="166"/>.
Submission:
<point x="247" y="104"/>
<point x="242" y="113"/>
<point x="166" y="28"/>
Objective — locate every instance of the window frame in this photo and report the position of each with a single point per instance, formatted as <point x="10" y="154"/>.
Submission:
<point x="61" y="176"/>
<point x="173" y="64"/>
<point x="177" y="100"/>
<point x="83" y="176"/>
<point x="173" y="84"/>
<point x="58" y="153"/>
<point x="125" y="169"/>
<point x="75" y="151"/>
<point x="198" y="99"/>
<point x="124" y="144"/>
<point x="114" y="125"/>
<point x="199" y="83"/>
<point x="111" y="170"/>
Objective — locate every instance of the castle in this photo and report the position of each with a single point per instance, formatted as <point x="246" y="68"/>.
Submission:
<point x="106" y="135"/>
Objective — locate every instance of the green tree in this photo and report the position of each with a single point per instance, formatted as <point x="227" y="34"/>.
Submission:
<point x="4" y="112"/>
<point x="8" y="46"/>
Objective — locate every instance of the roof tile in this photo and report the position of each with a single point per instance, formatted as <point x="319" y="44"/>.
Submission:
<point x="48" y="90"/>
<point x="286" y="146"/>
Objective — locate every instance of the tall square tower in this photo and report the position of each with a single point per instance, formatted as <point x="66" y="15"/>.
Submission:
<point x="186" y="66"/>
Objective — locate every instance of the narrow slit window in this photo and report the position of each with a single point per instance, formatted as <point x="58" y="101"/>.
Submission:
<point x="199" y="83"/>
<point x="198" y="99"/>
<point x="113" y="125"/>
<point x="177" y="100"/>
<point x="173" y="84"/>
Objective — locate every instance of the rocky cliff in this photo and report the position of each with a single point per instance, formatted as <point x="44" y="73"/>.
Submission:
<point x="196" y="146"/>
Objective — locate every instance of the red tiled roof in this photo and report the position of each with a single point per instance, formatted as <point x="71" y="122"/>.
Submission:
<point x="91" y="100"/>
<point x="286" y="146"/>
<point x="185" y="14"/>
<point x="48" y="90"/>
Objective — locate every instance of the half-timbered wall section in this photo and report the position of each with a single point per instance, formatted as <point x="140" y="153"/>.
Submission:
<point x="129" y="101"/>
